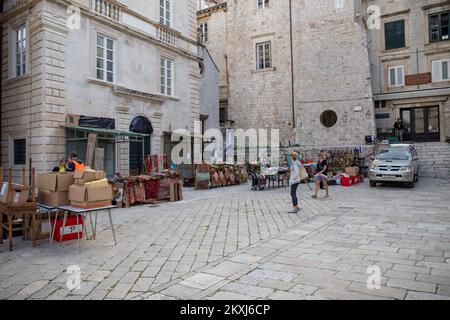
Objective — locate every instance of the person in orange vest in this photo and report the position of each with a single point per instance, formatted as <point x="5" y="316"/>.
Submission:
<point x="74" y="164"/>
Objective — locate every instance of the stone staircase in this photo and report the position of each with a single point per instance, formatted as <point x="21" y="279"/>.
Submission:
<point x="434" y="159"/>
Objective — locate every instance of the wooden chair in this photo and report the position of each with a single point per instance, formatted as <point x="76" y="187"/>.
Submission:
<point x="18" y="212"/>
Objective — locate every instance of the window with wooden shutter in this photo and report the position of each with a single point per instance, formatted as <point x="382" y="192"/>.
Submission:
<point x="396" y="76"/>
<point x="441" y="70"/>
<point x="394" y="34"/>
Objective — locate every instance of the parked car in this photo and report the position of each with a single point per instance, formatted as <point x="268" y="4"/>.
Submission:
<point x="395" y="163"/>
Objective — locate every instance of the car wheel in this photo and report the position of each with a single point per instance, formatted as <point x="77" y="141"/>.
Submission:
<point x="373" y="184"/>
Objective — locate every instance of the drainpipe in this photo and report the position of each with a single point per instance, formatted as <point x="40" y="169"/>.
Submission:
<point x="292" y="65"/>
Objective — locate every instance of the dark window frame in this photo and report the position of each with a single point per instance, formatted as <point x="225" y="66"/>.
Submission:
<point x="395" y="34"/>
<point x="433" y="29"/>
<point x="20" y="152"/>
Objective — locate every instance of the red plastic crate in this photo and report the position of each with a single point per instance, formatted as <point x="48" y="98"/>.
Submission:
<point x="355" y="179"/>
<point x="346" y="181"/>
<point x="71" y="231"/>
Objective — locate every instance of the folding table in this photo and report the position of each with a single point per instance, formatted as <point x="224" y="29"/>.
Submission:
<point x="45" y="208"/>
<point x="83" y="213"/>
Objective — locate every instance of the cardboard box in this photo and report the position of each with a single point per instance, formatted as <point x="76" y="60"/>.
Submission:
<point x="20" y="194"/>
<point x="54" y="198"/>
<point x="90" y="194"/>
<point x="55" y="181"/>
<point x="77" y="193"/>
<point x="82" y="177"/>
<point x="90" y="205"/>
<point x="352" y="171"/>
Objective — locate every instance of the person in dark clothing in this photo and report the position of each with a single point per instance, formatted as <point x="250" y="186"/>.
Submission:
<point x="74" y="164"/>
<point x="321" y="175"/>
<point x="399" y="129"/>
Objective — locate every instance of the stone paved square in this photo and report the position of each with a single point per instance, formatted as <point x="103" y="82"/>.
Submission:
<point x="177" y="250"/>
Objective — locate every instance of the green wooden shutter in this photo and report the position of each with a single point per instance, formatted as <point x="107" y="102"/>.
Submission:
<point x="395" y="34"/>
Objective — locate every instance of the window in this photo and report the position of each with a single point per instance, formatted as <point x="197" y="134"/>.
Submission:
<point x="164" y="12"/>
<point x="328" y="118"/>
<point x="105" y="58"/>
<point x="438" y="25"/>
<point x="166" y="76"/>
<point x="394" y="34"/>
<point x="396" y="76"/>
<point x="263" y="56"/>
<point x="380" y="104"/>
<point x="20" y="50"/>
<point x="441" y="70"/>
<point x="262" y="4"/>
<point x="204" y="31"/>
<point x="20" y="151"/>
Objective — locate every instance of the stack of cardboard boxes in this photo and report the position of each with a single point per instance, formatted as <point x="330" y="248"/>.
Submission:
<point x="90" y="190"/>
<point x="81" y="189"/>
<point x="54" y="188"/>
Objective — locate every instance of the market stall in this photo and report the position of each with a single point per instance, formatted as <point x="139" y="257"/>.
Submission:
<point x="219" y="175"/>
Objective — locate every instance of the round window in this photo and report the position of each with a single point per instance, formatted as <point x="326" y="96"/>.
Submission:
<point x="328" y="118"/>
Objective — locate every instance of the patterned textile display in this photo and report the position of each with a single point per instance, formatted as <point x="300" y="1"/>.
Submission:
<point x="139" y="189"/>
<point x="139" y="192"/>
<point x="148" y="164"/>
<point x="154" y="161"/>
<point x="152" y="188"/>
<point x="129" y="193"/>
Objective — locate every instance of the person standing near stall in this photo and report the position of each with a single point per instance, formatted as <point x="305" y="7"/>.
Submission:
<point x="399" y="129"/>
<point x="74" y="164"/>
<point x="294" y="181"/>
<point x="321" y="175"/>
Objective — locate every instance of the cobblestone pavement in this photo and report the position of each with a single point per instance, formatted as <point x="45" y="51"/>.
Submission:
<point x="232" y="243"/>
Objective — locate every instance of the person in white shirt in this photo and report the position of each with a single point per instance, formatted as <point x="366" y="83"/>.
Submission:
<point x="294" y="181"/>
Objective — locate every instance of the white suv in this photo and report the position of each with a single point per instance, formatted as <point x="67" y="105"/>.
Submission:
<point x="395" y="163"/>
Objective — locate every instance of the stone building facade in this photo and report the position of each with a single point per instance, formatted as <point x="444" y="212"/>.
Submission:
<point x="410" y="67"/>
<point x="314" y="84"/>
<point x="411" y="70"/>
<point x="126" y="60"/>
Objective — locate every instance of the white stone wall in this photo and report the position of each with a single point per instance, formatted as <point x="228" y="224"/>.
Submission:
<point x="332" y="73"/>
<point x="209" y="91"/>
<point x="331" y="70"/>
<point x="62" y="78"/>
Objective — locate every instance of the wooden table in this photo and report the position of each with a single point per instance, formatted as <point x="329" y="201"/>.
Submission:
<point x="24" y="211"/>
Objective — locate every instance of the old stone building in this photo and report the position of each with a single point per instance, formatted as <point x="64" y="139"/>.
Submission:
<point x="328" y="73"/>
<point x="300" y="66"/>
<point x="410" y="68"/>
<point x="129" y="68"/>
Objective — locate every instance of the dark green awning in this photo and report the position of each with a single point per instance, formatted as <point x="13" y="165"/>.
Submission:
<point x="120" y="133"/>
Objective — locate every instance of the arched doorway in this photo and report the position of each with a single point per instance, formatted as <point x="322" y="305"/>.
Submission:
<point x="140" y="125"/>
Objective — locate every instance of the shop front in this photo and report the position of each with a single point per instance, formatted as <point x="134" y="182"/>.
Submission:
<point x="424" y="119"/>
<point x="421" y="124"/>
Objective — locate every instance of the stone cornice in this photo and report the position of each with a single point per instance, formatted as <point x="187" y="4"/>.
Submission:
<point x="45" y="19"/>
<point x="209" y="11"/>
<point x="5" y="16"/>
